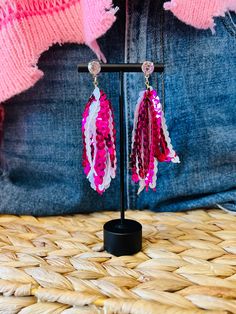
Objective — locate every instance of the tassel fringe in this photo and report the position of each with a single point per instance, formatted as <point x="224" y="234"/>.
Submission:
<point x="150" y="140"/>
<point x="99" y="140"/>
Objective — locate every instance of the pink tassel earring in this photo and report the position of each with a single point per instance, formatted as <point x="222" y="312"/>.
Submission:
<point x="150" y="138"/>
<point x="99" y="137"/>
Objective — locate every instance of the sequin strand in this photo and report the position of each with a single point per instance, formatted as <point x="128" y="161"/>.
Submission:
<point x="99" y="141"/>
<point x="150" y="140"/>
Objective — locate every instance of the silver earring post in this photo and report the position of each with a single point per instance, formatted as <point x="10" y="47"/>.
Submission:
<point x="147" y="68"/>
<point x="94" y="68"/>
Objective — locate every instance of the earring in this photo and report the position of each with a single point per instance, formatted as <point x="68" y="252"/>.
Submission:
<point x="150" y="138"/>
<point x="99" y="136"/>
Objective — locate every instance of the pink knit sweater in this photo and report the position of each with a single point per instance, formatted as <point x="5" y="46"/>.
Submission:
<point x="29" y="27"/>
<point x="200" y="13"/>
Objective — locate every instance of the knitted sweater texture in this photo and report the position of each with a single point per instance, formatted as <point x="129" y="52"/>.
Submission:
<point x="200" y="13"/>
<point x="29" y="27"/>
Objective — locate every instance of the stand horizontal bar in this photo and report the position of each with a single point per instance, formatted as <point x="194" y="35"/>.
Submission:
<point x="121" y="67"/>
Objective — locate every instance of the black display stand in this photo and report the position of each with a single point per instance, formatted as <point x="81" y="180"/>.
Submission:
<point x="122" y="236"/>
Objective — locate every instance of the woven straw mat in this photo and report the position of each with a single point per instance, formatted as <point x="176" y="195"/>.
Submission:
<point x="57" y="265"/>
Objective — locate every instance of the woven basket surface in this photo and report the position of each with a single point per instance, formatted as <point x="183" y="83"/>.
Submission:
<point x="57" y="265"/>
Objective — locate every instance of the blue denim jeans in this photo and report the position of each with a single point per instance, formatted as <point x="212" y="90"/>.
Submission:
<point x="43" y="175"/>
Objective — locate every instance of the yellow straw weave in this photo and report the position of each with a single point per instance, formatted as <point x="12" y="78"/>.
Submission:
<point x="57" y="265"/>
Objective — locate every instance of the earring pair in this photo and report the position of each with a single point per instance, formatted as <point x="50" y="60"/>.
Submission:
<point x="150" y="138"/>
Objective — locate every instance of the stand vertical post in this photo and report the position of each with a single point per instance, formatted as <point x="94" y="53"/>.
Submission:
<point x="122" y="149"/>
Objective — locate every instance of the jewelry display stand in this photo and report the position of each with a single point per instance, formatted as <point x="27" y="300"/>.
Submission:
<point x="122" y="236"/>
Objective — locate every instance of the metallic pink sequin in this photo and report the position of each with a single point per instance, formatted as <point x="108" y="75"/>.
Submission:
<point x="102" y="137"/>
<point x="151" y="142"/>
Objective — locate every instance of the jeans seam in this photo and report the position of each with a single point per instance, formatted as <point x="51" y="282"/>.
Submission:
<point x="228" y="24"/>
<point x="162" y="57"/>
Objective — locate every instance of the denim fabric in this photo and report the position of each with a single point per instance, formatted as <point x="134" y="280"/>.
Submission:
<point x="198" y="89"/>
<point x="42" y="142"/>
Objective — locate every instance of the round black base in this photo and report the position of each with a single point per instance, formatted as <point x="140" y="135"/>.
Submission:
<point x="122" y="238"/>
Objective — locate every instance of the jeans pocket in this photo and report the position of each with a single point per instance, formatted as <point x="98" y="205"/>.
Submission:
<point x="229" y="22"/>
